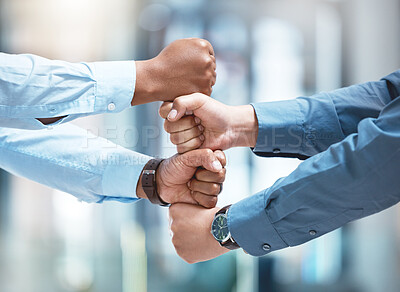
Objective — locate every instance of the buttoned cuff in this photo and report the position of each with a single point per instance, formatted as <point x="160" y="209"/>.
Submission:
<point x="122" y="174"/>
<point x="251" y="228"/>
<point x="280" y="128"/>
<point x="115" y="85"/>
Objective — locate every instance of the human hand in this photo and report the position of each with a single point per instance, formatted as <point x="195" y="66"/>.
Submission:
<point x="185" y="66"/>
<point x="191" y="233"/>
<point x="180" y="180"/>
<point x="199" y="121"/>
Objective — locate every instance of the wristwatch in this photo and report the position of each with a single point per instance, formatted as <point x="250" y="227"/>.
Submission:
<point x="220" y="230"/>
<point x="149" y="184"/>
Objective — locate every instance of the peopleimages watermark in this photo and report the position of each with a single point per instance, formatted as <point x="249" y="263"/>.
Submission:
<point x="292" y="137"/>
<point x="125" y="136"/>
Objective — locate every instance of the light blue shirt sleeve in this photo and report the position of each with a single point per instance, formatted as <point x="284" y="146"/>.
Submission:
<point x="305" y="126"/>
<point x="33" y="87"/>
<point x="73" y="160"/>
<point x="351" y="179"/>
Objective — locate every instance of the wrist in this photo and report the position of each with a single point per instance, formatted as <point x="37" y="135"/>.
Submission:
<point x="139" y="189"/>
<point x="159" y="181"/>
<point x="146" y="82"/>
<point x="150" y="183"/>
<point x="244" y="126"/>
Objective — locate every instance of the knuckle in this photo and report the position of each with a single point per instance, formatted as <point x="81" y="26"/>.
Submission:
<point x="221" y="176"/>
<point x="177" y="103"/>
<point x="212" y="202"/>
<point x="167" y="126"/>
<point x="208" y="152"/>
<point x="215" y="189"/>
<point x="208" y="61"/>
<point x="193" y="186"/>
<point x="182" y="149"/>
<point x="199" y="174"/>
<point x="203" y="43"/>
<point x="197" y="142"/>
<point x="174" y="139"/>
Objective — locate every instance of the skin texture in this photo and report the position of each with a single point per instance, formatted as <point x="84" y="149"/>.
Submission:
<point x="175" y="182"/>
<point x="193" y="246"/>
<point x="185" y="66"/>
<point x="198" y="121"/>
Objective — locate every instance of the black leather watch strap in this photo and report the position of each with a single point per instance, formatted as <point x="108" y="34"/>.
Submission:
<point x="149" y="183"/>
<point x="230" y="243"/>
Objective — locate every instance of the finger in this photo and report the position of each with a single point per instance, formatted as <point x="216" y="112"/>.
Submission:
<point x="213" y="81"/>
<point x="209" y="176"/>
<point x="201" y="157"/>
<point x="208" y="188"/>
<point x="210" y="49"/>
<point x="208" y="90"/>
<point x="186" y="135"/>
<point x="214" y="65"/>
<point x="185" y="103"/>
<point x="165" y="108"/>
<point x="192" y="144"/>
<point x="213" y="58"/>
<point x="186" y="123"/>
<point x="221" y="157"/>
<point x="205" y="200"/>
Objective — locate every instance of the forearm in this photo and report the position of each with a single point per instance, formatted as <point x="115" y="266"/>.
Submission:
<point x="33" y="88"/>
<point x="366" y="100"/>
<point x="306" y="126"/>
<point x="352" y="179"/>
<point x="90" y="168"/>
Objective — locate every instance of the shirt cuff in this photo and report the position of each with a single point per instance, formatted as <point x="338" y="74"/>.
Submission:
<point x="120" y="177"/>
<point x="280" y="128"/>
<point x="251" y="228"/>
<point x="115" y="85"/>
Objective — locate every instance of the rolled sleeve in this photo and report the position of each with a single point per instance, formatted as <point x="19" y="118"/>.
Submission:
<point x="253" y="230"/>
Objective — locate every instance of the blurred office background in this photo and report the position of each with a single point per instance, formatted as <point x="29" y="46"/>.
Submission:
<point x="266" y="50"/>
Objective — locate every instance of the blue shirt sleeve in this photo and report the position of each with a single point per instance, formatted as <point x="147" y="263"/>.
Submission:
<point x="73" y="160"/>
<point x="352" y="179"/>
<point x="306" y="126"/>
<point x="34" y="87"/>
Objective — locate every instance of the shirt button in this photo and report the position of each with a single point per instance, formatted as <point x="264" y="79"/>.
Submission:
<point x="276" y="151"/>
<point x="312" y="232"/>
<point x="53" y="110"/>
<point x="111" y="107"/>
<point x="266" y="247"/>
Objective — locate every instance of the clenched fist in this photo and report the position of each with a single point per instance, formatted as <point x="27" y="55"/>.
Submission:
<point x="183" y="67"/>
<point x="211" y="123"/>
<point x="195" y="177"/>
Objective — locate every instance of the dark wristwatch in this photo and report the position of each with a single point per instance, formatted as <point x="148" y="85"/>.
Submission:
<point x="149" y="184"/>
<point x="220" y="230"/>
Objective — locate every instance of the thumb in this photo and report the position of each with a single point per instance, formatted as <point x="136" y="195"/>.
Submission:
<point x="184" y="104"/>
<point x="221" y="157"/>
<point x="205" y="158"/>
<point x="165" y="108"/>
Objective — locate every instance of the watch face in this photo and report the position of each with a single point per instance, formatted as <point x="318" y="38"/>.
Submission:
<point x="219" y="228"/>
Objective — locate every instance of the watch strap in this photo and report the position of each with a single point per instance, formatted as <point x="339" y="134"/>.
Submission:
<point x="230" y="243"/>
<point x="149" y="183"/>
